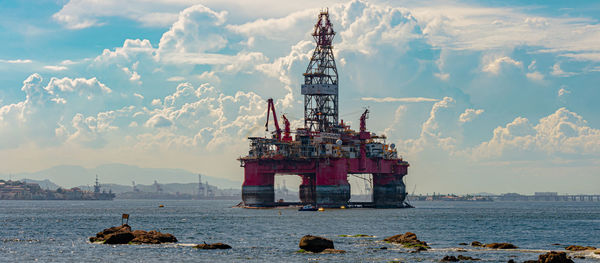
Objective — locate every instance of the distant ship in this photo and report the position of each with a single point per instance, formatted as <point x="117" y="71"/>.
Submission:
<point x="18" y="190"/>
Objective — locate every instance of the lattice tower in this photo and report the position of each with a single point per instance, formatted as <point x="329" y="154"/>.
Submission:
<point x="320" y="88"/>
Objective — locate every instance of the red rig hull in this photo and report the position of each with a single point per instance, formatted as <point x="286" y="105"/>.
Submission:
<point x="324" y="180"/>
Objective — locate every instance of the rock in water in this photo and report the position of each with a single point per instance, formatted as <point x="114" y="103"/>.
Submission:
<point x="500" y="245"/>
<point x="476" y="244"/>
<point x="212" y="246"/>
<point x="315" y="244"/>
<point x="103" y="235"/>
<point x="554" y="257"/>
<point x="152" y="237"/>
<point x="579" y="248"/>
<point x="450" y="259"/>
<point x="461" y="257"/>
<point x="408" y="240"/>
<point x="124" y="235"/>
<point x="119" y="238"/>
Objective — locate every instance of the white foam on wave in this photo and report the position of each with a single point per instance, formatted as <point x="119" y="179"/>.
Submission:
<point x="186" y="244"/>
<point x="593" y="255"/>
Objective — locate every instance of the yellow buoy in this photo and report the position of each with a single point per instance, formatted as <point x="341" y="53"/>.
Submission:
<point x="161" y="206"/>
<point x="321" y="209"/>
<point x="343" y="207"/>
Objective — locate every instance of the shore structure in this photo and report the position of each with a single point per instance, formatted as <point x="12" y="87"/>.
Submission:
<point x="18" y="190"/>
<point x="325" y="150"/>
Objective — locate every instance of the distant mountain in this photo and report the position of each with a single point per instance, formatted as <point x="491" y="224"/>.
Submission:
<point x="71" y="176"/>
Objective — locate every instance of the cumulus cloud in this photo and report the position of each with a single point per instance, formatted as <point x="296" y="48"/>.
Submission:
<point x="88" y="131"/>
<point x="493" y="64"/>
<point x="39" y="117"/>
<point x="197" y="31"/>
<point x="469" y="115"/>
<point x="84" y="87"/>
<point x="562" y="132"/>
<point x="441" y="129"/>
<point x="158" y="121"/>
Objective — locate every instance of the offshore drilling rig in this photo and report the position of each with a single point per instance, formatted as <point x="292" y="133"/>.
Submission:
<point x="325" y="150"/>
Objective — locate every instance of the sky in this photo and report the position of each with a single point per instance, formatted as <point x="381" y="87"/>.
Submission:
<point x="478" y="96"/>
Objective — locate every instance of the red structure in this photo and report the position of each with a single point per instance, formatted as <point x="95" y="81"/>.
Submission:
<point x="324" y="151"/>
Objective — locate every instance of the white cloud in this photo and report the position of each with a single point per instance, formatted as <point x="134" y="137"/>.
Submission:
<point x="84" y="87"/>
<point x="197" y="30"/>
<point x="158" y="121"/>
<point x="90" y="131"/>
<point x="16" y="61"/>
<point x="79" y="14"/>
<point x="532" y="65"/>
<point x="455" y="26"/>
<point x="176" y="79"/>
<point x="584" y="56"/>
<point x="469" y="115"/>
<point x="493" y="64"/>
<point x="461" y="26"/>
<point x="442" y="76"/>
<point x="39" y="118"/>
<point x="557" y="71"/>
<point x="440" y="131"/>
<point x="562" y="132"/>
<point x="209" y="76"/>
<point x="137" y="95"/>
<point x="391" y="99"/>
<point x="536" y="76"/>
<point x="398" y="114"/>
<point x="68" y="62"/>
<point x="562" y="92"/>
<point x="56" y="68"/>
<point x="133" y="75"/>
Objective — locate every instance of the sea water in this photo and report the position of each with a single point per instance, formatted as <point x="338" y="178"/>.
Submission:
<point x="58" y="231"/>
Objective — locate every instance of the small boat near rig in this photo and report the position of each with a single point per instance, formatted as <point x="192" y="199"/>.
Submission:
<point x="325" y="150"/>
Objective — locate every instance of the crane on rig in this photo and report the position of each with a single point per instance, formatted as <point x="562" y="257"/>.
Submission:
<point x="271" y="108"/>
<point x="286" y="130"/>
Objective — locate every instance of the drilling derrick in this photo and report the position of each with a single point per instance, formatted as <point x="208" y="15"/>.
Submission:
<point x="325" y="151"/>
<point x="320" y="88"/>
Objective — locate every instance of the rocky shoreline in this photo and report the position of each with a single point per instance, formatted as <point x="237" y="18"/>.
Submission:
<point x="320" y="245"/>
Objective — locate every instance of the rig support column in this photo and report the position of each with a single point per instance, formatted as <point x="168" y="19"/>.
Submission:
<point x="332" y="188"/>
<point x="389" y="190"/>
<point x="258" y="188"/>
<point x="307" y="189"/>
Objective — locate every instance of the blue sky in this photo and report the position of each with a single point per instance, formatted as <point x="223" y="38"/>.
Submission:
<point x="496" y="96"/>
